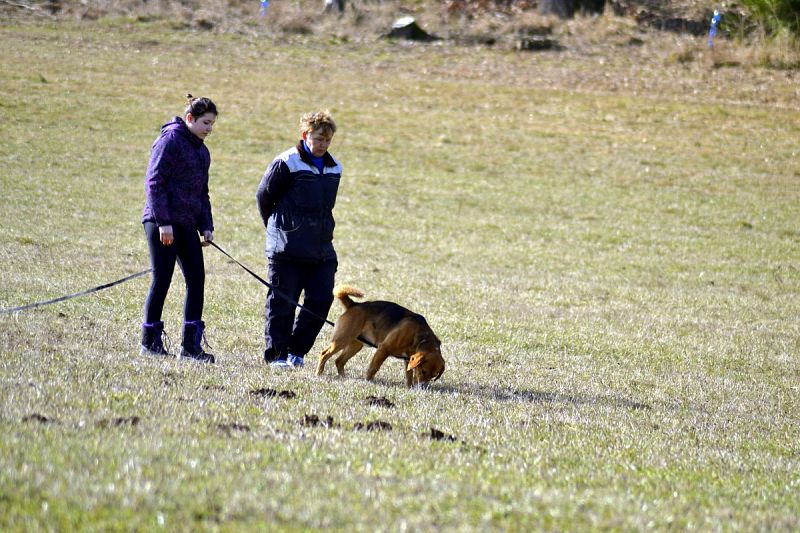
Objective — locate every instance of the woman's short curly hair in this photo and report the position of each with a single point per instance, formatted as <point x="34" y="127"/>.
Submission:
<point x="321" y="121"/>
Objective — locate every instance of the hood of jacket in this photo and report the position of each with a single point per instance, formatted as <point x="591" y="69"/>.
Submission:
<point x="178" y="126"/>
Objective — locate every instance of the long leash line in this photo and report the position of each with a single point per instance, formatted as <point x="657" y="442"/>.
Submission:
<point x="143" y="272"/>
<point x="283" y="294"/>
<point x="70" y="296"/>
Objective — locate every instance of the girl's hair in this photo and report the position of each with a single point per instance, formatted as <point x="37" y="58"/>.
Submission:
<point x="320" y="120"/>
<point x="199" y="106"/>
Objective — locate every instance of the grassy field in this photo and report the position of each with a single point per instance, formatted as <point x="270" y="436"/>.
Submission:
<point x="608" y="246"/>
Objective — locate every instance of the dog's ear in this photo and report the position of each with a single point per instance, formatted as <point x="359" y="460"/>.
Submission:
<point x="414" y="362"/>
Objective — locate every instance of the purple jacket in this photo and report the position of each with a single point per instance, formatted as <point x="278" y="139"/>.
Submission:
<point x="176" y="184"/>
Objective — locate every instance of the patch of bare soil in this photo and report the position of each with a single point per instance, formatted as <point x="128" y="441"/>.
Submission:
<point x="36" y="417"/>
<point x="230" y="429"/>
<point x="436" y="434"/>
<point x="272" y="393"/>
<point x="312" y="420"/>
<point x="379" y="401"/>
<point x="131" y="421"/>
<point x="375" y="425"/>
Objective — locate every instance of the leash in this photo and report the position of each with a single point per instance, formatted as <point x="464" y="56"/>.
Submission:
<point x="70" y="296"/>
<point x="281" y="293"/>
<point x="143" y="272"/>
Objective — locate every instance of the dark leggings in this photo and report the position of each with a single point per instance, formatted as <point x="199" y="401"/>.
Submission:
<point x="186" y="250"/>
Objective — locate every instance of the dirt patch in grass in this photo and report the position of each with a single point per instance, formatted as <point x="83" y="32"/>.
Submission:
<point x="36" y="417"/>
<point x="436" y="434"/>
<point x="379" y="401"/>
<point x="375" y="425"/>
<point x="233" y="428"/>
<point x="267" y="392"/>
<point x="312" y="420"/>
<point x="131" y="421"/>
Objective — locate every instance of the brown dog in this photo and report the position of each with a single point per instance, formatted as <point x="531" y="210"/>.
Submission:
<point x="396" y="332"/>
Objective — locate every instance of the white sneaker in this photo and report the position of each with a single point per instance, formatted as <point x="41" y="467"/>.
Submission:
<point x="295" y="361"/>
<point x="280" y="363"/>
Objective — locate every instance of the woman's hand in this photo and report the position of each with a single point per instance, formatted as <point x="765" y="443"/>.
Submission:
<point x="208" y="236"/>
<point x="166" y="235"/>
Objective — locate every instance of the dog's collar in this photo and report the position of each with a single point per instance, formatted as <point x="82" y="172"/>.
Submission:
<point x="425" y="339"/>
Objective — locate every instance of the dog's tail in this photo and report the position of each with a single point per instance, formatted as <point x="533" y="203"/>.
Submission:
<point x="344" y="292"/>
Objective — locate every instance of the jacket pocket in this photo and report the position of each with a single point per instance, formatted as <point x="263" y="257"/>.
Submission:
<point x="284" y="233"/>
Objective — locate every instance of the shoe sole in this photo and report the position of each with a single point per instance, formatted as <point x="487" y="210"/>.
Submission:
<point x="150" y="353"/>
<point x="196" y="360"/>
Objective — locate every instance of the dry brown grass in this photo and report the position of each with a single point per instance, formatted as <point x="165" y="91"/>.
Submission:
<point x="625" y="30"/>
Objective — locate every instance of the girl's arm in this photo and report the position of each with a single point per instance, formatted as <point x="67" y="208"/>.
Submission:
<point x="159" y="171"/>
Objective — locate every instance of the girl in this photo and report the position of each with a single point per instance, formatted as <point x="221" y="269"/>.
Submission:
<point x="177" y="209"/>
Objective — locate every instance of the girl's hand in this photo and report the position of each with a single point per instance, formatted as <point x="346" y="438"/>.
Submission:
<point x="167" y="237"/>
<point x="208" y="236"/>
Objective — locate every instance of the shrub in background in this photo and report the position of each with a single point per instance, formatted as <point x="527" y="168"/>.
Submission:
<point x="774" y="17"/>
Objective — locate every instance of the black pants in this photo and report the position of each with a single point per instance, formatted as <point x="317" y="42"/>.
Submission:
<point x="283" y="333"/>
<point x="186" y="250"/>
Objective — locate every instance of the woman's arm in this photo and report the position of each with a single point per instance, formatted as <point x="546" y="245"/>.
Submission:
<point x="273" y="184"/>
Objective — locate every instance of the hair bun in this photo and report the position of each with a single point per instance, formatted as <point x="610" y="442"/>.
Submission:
<point x="199" y="106"/>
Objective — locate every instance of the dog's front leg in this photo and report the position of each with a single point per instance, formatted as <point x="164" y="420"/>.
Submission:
<point x="377" y="360"/>
<point x="409" y="374"/>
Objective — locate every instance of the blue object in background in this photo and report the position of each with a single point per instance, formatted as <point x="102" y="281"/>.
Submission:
<point x="264" y="6"/>
<point x="712" y="32"/>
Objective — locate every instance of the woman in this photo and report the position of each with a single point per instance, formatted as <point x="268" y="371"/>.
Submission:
<point x="177" y="210"/>
<point x="295" y="198"/>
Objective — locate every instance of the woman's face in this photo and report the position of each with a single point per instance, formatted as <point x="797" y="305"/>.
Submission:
<point x="202" y="125"/>
<point x="318" y="142"/>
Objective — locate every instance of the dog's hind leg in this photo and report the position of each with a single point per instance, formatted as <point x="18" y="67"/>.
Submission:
<point x="352" y="349"/>
<point x="326" y="354"/>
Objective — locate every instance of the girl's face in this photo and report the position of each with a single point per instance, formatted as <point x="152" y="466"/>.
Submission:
<point x="202" y="125"/>
<point x="318" y="142"/>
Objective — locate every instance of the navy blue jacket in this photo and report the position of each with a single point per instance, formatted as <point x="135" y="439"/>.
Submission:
<point x="296" y="203"/>
<point x="176" y="184"/>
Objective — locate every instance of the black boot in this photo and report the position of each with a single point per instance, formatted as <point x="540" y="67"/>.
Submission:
<point x="153" y="340"/>
<point x="192" y="342"/>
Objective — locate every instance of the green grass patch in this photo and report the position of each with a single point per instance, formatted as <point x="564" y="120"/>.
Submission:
<point x="613" y="273"/>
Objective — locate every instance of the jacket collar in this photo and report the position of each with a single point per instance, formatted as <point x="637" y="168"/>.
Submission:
<point x="178" y="125"/>
<point x="306" y="157"/>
